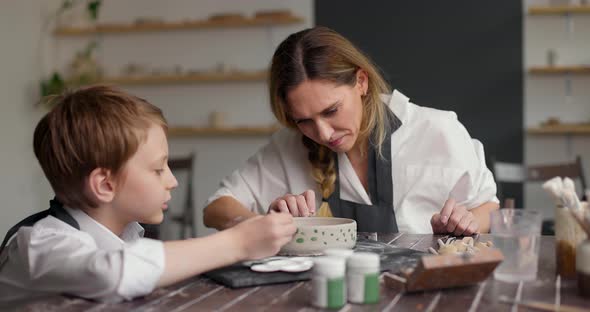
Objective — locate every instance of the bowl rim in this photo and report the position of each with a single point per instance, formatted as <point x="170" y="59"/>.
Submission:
<point x="348" y="221"/>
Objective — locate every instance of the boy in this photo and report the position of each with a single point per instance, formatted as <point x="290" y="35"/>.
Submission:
<point x="105" y="155"/>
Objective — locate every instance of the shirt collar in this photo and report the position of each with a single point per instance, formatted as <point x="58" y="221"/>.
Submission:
<point x="397" y="103"/>
<point x="104" y="238"/>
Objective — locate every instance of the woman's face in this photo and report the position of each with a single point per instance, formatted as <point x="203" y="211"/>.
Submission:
<point x="328" y="113"/>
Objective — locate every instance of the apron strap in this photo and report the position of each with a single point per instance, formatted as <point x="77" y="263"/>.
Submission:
<point x="56" y="210"/>
<point x="379" y="217"/>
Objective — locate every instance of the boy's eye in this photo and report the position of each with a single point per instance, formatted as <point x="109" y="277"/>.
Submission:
<point x="159" y="171"/>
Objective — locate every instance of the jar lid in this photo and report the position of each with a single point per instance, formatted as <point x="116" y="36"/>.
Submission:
<point x="338" y="252"/>
<point x="329" y="266"/>
<point x="363" y="260"/>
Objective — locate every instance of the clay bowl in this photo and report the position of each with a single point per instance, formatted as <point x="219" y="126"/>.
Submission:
<point x="315" y="234"/>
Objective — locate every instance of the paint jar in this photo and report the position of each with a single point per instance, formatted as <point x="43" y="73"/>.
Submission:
<point x="568" y="235"/>
<point x="583" y="268"/>
<point x="362" y="277"/>
<point x="328" y="282"/>
<point x="338" y="252"/>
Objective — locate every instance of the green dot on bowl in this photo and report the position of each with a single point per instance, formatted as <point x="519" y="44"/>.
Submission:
<point x="314" y="238"/>
<point x="315" y="231"/>
<point x="300" y="240"/>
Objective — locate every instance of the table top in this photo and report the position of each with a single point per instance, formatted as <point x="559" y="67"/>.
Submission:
<point x="202" y="294"/>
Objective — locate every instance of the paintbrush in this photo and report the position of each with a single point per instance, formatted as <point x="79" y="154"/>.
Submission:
<point x="554" y="187"/>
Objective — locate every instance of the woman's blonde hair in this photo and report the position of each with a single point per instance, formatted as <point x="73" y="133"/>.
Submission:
<point x="320" y="53"/>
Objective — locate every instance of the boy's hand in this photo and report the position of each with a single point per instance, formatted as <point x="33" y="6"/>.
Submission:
<point x="263" y="236"/>
<point x="302" y="205"/>
<point x="454" y="219"/>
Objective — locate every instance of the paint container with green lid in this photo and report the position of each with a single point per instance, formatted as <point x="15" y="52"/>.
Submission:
<point x="362" y="277"/>
<point x="329" y="282"/>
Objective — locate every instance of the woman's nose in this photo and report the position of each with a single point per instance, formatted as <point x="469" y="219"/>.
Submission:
<point x="325" y="131"/>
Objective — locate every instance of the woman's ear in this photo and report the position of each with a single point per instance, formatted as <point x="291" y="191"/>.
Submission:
<point x="362" y="81"/>
<point x="101" y="185"/>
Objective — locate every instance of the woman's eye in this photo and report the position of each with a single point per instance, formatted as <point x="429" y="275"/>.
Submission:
<point x="159" y="171"/>
<point x="331" y="112"/>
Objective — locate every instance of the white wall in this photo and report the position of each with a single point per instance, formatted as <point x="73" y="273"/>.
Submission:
<point x="24" y="188"/>
<point x="545" y="96"/>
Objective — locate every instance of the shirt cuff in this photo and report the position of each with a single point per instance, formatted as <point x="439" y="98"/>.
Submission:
<point x="143" y="264"/>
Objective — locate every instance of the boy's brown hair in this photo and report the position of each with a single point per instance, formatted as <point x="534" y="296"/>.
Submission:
<point x="93" y="127"/>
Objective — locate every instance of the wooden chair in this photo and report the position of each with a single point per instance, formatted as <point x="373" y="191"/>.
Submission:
<point x="186" y="219"/>
<point x="517" y="173"/>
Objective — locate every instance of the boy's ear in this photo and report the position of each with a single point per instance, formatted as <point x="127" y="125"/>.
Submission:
<point x="101" y="185"/>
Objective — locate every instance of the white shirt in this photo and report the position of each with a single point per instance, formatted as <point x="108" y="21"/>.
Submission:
<point x="433" y="158"/>
<point x="52" y="258"/>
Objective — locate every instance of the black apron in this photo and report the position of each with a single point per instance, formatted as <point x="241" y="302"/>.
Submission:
<point x="56" y="209"/>
<point x="379" y="217"/>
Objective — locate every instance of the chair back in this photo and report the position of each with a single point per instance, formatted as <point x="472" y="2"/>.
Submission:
<point x="505" y="172"/>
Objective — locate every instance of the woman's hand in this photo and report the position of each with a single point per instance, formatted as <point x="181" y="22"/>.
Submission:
<point x="454" y="219"/>
<point x="302" y="205"/>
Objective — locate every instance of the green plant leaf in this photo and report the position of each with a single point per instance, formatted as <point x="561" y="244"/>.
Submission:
<point x="53" y="85"/>
<point x="93" y="8"/>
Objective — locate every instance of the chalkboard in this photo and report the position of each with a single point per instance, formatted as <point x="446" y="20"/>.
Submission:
<point x="462" y="55"/>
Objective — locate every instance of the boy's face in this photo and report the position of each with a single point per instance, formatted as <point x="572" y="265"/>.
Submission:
<point x="147" y="181"/>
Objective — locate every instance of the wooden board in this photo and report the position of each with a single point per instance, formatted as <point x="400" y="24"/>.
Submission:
<point x="555" y="70"/>
<point x="558" y="10"/>
<point x="169" y="26"/>
<point x="561" y="129"/>
<point x="188" y="78"/>
<point x="225" y="131"/>
<point x="439" y="272"/>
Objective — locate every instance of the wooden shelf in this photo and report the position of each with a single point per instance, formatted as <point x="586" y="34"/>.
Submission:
<point x="561" y="129"/>
<point x="555" y="70"/>
<point x="233" y="131"/>
<point x="172" y="26"/>
<point x="189" y="78"/>
<point x="559" y="10"/>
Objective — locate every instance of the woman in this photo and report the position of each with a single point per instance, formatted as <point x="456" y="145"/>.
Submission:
<point x="367" y="153"/>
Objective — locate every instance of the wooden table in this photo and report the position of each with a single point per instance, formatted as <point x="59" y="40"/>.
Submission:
<point x="201" y="294"/>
